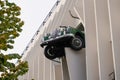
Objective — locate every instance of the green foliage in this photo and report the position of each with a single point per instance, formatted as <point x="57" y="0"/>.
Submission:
<point x="10" y="24"/>
<point x="9" y="70"/>
<point x="13" y="71"/>
<point x="10" y="28"/>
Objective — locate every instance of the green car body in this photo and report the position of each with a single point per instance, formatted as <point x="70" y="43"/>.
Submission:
<point x="66" y="30"/>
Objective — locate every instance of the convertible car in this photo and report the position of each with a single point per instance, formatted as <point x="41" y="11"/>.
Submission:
<point x="65" y="36"/>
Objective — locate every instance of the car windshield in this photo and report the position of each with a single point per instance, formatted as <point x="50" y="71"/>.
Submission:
<point x="57" y="32"/>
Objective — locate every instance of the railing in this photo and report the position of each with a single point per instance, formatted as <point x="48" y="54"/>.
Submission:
<point x="42" y="25"/>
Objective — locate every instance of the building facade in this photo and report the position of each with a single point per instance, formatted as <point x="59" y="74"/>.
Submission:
<point x="99" y="60"/>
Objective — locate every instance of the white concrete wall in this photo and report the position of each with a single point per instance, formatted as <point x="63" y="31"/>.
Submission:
<point x="95" y="62"/>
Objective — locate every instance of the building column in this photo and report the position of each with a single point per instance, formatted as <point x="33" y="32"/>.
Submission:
<point x="104" y="46"/>
<point x="91" y="41"/>
<point x="65" y="69"/>
<point x="114" y="14"/>
<point x="76" y="64"/>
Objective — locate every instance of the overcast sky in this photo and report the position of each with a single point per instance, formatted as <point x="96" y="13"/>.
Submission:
<point x="33" y="12"/>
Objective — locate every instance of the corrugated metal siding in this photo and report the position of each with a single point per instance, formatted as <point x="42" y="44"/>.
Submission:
<point x="97" y="61"/>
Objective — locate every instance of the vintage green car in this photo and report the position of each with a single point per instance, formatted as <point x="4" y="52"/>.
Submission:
<point x="65" y="36"/>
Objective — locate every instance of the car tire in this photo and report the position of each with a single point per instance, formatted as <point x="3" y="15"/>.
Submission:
<point x="77" y="43"/>
<point x="50" y="52"/>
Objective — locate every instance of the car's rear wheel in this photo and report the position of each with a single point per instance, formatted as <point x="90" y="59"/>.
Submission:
<point x="77" y="43"/>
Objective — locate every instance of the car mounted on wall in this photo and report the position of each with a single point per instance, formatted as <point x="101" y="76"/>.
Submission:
<point x="65" y="36"/>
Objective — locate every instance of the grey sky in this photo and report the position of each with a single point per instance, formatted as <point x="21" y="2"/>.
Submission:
<point x="33" y="13"/>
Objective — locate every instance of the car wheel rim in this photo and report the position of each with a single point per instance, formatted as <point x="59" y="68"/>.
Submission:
<point x="50" y="52"/>
<point x="77" y="42"/>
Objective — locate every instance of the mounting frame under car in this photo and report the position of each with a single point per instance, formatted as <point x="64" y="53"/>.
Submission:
<point x="66" y="36"/>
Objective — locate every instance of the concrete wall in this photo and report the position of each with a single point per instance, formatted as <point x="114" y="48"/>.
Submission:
<point x="98" y="61"/>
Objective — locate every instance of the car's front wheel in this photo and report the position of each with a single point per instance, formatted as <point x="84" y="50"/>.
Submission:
<point x="50" y="52"/>
<point x="77" y="43"/>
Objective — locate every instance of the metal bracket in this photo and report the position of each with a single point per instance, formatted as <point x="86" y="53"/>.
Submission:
<point x="56" y="61"/>
<point x="73" y="15"/>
